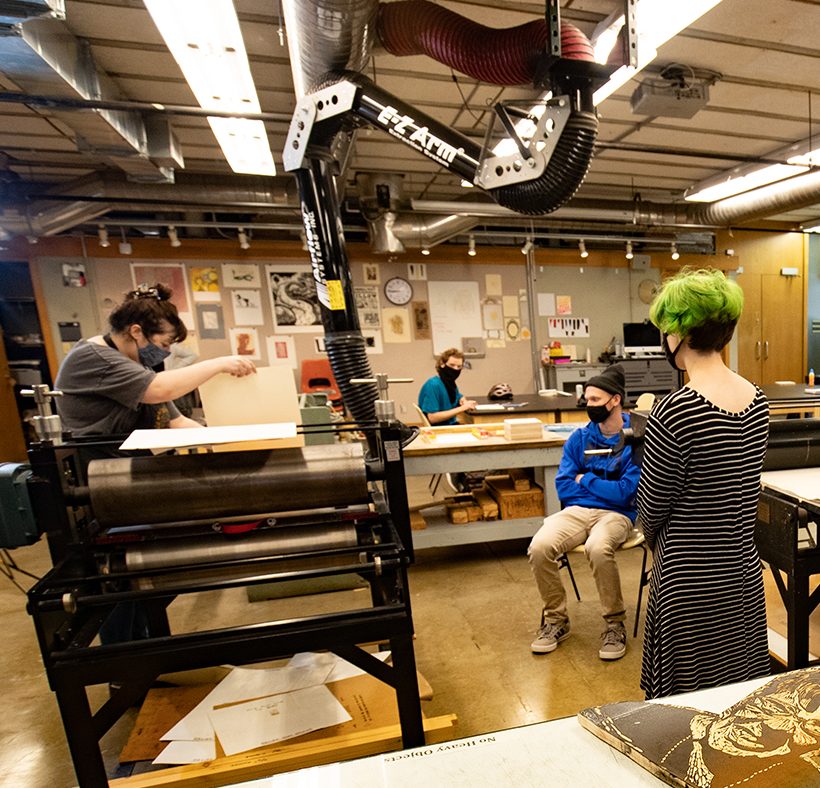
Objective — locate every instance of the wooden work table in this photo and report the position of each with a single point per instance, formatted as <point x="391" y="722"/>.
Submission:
<point x="794" y="399"/>
<point x="550" y="410"/>
<point x="458" y="449"/>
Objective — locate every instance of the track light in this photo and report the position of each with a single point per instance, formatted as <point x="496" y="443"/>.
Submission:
<point x="173" y="236"/>
<point x="125" y="247"/>
<point x="528" y="246"/>
<point x="244" y="243"/>
<point x="471" y="246"/>
<point x="629" y="254"/>
<point x="675" y="253"/>
<point x="102" y="234"/>
<point x="582" y="249"/>
<point x="425" y="250"/>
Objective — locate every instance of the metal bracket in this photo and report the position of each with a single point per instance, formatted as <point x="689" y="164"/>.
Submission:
<point x="496" y="171"/>
<point x="313" y="108"/>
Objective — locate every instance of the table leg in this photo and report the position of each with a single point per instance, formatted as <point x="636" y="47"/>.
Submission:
<point x="797" y="622"/>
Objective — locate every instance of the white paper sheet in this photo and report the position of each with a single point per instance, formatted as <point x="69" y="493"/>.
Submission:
<point x="489" y="406"/>
<point x="181" y="752"/>
<point x="339" y="668"/>
<point x="206" y="436"/>
<point x="546" y="304"/>
<point x="274" y="719"/>
<point x="243" y="684"/>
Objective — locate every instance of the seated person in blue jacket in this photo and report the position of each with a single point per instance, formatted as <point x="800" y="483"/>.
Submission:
<point x="598" y="492"/>
<point x="439" y="398"/>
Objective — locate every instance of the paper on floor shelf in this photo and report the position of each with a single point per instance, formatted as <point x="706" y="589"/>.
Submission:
<point x="256" y="723"/>
<point x="244" y="684"/>
<point x="339" y="668"/>
<point x="181" y="752"/>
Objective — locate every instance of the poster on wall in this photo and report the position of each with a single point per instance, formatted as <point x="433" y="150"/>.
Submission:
<point x="281" y="351"/>
<point x="372" y="342"/>
<point x="171" y="274"/>
<point x="455" y="312"/>
<point x="396" y="324"/>
<point x="421" y="319"/>
<point x="294" y="302"/>
<point x="370" y="273"/>
<point x="492" y="315"/>
<point x="205" y="283"/>
<point x="240" y="275"/>
<point x="245" y="342"/>
<point x="568" y="326"/>
<point x="74" y="275"/>
<point x="210" y="320"/>
<point x="367" y="306"/>
<point x="247" y="307"/>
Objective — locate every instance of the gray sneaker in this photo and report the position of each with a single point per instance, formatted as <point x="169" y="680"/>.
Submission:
<point x="548" y="636"/>
<point x="613" y="642"/>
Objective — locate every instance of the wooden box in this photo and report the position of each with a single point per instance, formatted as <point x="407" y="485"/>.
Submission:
<point x="514" y="503"/>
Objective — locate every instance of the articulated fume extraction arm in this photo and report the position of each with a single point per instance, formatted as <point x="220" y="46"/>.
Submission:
<point x="546" y="166"/>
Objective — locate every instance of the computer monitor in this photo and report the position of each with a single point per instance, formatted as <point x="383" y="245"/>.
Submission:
<point x="642" y="339"/>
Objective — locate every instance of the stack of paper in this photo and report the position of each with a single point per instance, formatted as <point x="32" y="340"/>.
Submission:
<point x="523" y="429"/>
<point x="252" y="707"/>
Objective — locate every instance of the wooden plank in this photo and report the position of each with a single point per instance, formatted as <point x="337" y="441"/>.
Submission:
<point x="268" y="761"/>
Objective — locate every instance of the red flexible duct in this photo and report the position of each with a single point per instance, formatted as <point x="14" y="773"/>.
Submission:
<point x="498" y="57"/>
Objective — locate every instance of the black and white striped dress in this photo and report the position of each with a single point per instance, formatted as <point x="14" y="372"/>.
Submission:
<point x="697" y="499"/>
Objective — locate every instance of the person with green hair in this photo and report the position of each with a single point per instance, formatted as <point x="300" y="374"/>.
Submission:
<point x="697" y="499"/>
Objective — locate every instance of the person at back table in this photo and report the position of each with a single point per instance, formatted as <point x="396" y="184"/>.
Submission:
<point x="439" y="398"/>
<point x="598" y="491"/>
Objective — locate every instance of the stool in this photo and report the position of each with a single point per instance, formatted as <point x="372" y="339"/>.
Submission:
<point x="635" y="539"/>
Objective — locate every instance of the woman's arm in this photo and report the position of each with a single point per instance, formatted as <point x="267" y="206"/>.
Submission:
<point x="174" y="383"/>
<point x="445" y="415"/>
<point x="662" y="473"/>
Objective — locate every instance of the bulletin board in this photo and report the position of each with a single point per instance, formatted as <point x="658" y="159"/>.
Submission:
<point x="455" y="312"/>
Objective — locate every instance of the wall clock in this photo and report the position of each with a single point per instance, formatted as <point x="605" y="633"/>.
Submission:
<point x="398" y="291"/>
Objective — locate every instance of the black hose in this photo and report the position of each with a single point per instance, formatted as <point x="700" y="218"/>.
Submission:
<point x="565" y="171"/>
<point x="348" y="360"/>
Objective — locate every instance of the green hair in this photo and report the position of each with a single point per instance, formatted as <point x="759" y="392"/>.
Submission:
<point x="697" y="299"/>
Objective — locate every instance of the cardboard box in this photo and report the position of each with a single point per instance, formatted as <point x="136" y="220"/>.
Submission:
<point x="514" y="503"/>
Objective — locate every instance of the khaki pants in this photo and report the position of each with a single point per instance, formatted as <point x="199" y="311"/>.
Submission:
<point x="601" y="532"/>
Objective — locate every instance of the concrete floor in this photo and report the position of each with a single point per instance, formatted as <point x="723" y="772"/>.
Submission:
<point x="475" y="609"/>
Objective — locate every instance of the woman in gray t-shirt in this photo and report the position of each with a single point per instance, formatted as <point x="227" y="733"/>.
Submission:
<point x="109" y="383"/>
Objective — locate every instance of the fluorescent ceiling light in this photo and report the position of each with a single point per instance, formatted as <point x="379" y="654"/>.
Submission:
<point x="815" y="229"/>
<point x="205" y="39"/>
<point x="743" y="183"/>
<point x="656" y="21"/>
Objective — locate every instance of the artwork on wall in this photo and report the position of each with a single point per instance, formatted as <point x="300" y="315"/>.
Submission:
<point x="371" y="274"/>
<point x="245" y="342"/>
<point x="247" y="307"/>
<point x="281" y="350"/>
<point x="240" y="275"/>
<point x="171" y="274"/>
<point x="492" y="315"/>
<point x="373" y="342"/>
<point x="294" y="302"/>
<point x="205" y="283"/>
<point x="492" y="285"/>
<point x="367" y="306"/>
<point x="568" y="326"/>
<point x="396" y="324"/>
<point x="417" y="271"/>
<point x="210" y="320"/>
<point x="563" y="305"/>
<point x="74" y="275"/>
<point x="421" y="319"/>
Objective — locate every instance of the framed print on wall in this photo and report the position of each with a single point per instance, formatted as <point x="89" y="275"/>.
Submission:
<point x="171" y="274"/>
<point x="294" y="302"/>
<point x="245" y="342"/>
<point x="247" y="307"/>
<point x="211" y="321"/>
<point x="240" y="275"/>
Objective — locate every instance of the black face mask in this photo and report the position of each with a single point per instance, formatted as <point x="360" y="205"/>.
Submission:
<point x="670" y="354"/>
<point x="448" y="374"/>
<point x="598" y="413"/>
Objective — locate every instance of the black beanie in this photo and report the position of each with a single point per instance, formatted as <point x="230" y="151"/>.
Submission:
<point x="611" y="380"/>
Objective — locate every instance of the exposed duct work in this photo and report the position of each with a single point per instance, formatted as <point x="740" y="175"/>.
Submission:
<point x="68" y="209"/>
<point x="43" y="56"/>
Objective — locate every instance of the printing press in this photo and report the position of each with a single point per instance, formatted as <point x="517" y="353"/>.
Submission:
<point x="148" y="529"/>
<point x="786" y="532"/>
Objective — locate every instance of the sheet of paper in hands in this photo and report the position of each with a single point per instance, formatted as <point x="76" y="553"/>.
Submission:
<point x="771" y="737"/>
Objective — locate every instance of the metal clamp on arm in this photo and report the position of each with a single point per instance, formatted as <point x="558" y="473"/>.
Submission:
<point x="385" y="407"/>
<point x="47" y="425"/>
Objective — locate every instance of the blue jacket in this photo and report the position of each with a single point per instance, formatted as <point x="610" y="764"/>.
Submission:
<point x="608" y="482"/>
<point x="433" y="398"/>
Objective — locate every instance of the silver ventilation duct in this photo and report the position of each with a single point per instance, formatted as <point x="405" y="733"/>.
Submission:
<point x="68" y="209"/>
<point x="42" y="56"/>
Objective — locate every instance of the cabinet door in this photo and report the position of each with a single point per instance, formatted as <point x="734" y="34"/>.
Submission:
<point x="12" y="443"/>
<point x="782" y="328"/>
<point x="749" y="342"/>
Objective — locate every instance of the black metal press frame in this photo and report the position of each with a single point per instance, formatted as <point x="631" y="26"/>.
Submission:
<point x="73" y="600"/>
<point x="785" y="543"/>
